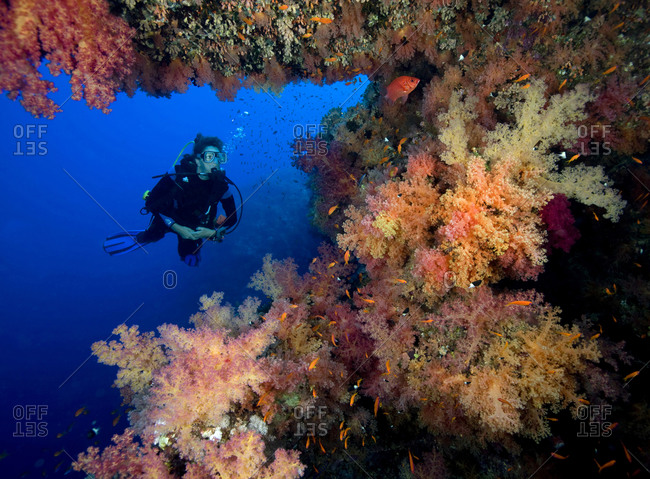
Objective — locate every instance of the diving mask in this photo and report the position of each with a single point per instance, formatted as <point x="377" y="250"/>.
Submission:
<point x="218" y="156"/>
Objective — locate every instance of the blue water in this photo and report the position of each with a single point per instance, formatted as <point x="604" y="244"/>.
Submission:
<point x="68" y="183"/>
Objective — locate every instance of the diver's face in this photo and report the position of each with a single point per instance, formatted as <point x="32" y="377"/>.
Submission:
<point x="204" y="167"/>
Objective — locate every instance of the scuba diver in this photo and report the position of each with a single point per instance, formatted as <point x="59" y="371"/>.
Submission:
<point x="185" y="203"/>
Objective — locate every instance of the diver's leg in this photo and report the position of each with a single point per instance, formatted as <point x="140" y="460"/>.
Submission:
<point x="154" y="232"/>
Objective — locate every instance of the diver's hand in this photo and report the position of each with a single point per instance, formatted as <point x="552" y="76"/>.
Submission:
<point x="219" y="234"/>
<point x="205" y="233"/>
<point x="185" y="232"/>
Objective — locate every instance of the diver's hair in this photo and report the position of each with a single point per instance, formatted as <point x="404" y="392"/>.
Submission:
<point x="201" y="142"/>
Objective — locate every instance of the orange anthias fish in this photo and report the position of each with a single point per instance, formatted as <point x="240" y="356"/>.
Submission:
<point x="400" y="87"/>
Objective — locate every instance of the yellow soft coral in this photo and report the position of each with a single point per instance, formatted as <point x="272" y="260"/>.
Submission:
<point x="386" y="224"/>
<point x="539" y="125"/>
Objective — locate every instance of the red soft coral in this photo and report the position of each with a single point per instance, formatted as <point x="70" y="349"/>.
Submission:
<point x="559" y="221"/>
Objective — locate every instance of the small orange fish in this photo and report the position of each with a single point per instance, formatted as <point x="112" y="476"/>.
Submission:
<point x="283" y="7"/>
<point x="241" y="37"/>
<point x="527" y="85"/>
<point x="627" y="454"/>
<point x="574" y="157"/>
<point x="331" y="59"/>
<point x="388" y="366"/>
<point x="595" y="216"/>
<point x="520" y="303"/>
<point x="334" y="341"/>
<point x="307" y="35"/>
<point x="376" y="407"/>
<point x="605" y="466"/>
<point x="248" y="21"/>
<point x="371" y="301"/>
<point x="116" y="419"/>
<point x="561" y="85"/>
<point x="352" y="399"/>
<point x="631" y="375"/>
<point x="411" y="461"/>
<point x="399" y="146"/>
<point x="619" y="25"/>
<point x="332" y="210"/>
<point x="80" y="411"/>
<point x="321" y="20"/>
<point x="331" y="265"/>
<point x="262" y="398"/>
<point x="557" y="456"/>
<point x="609" y="70"/>
<point x="505" y="402"/>
<point x="312" y="365"/>
<point x="346" y="257"/>
<point x="637" y="160"/>
<point x="282" y="317"/>
<point x="584" y="401"/>
<point x="400" y="88"/>
<point x="522" y="78"/>
<point x="644" y="80"/>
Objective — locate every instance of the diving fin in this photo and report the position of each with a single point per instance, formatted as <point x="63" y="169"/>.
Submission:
<point x="123" y="242"/>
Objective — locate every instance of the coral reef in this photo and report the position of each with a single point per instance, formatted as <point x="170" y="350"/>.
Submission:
<point x="412" y="342"/>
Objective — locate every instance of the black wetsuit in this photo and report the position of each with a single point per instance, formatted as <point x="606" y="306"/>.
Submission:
<point x="189" y="201"/>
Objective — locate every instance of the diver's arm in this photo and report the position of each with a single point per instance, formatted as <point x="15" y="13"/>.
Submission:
<point x="228" y="203"/>
<point x="186" y="232"/>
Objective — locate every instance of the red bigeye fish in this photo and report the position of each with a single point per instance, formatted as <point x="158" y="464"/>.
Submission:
<point x="400" y="88"/>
